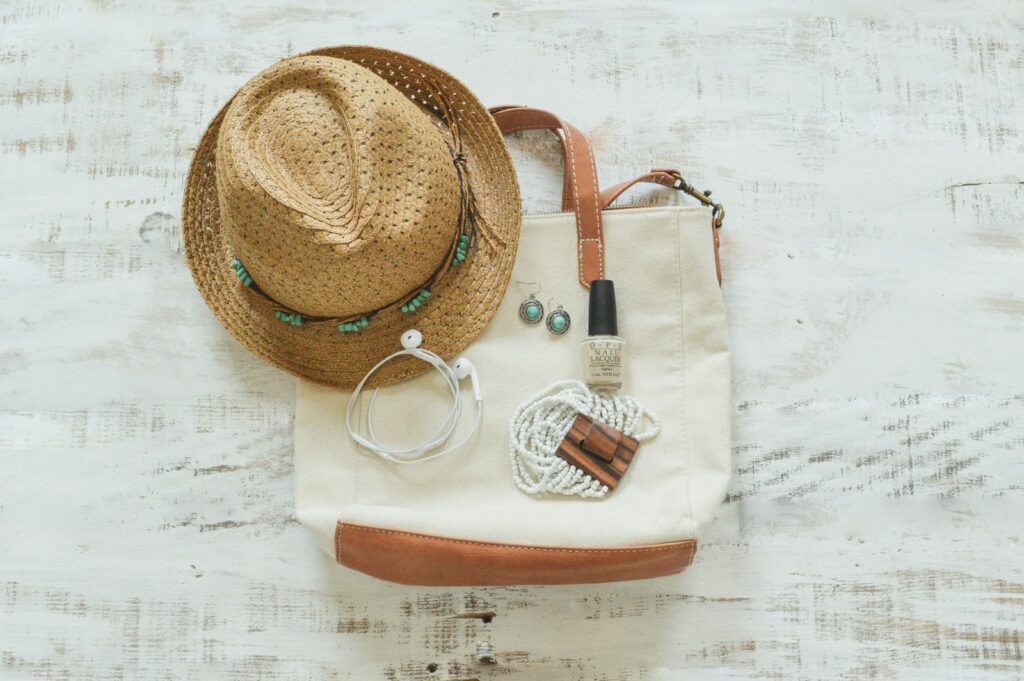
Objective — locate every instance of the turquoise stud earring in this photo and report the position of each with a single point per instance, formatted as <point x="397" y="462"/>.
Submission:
<point x="558" y="321"/>
<point x="530" y="310"/>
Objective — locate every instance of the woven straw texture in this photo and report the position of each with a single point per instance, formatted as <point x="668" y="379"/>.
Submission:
<point x="330" y="177"/>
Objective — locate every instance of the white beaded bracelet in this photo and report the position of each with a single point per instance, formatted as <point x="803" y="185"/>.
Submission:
<point x="540" y="424"/>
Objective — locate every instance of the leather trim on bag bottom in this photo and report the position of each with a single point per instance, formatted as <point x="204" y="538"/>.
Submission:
<point x="430" y="560"/>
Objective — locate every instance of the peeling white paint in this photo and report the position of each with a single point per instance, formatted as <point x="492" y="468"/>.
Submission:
<point x="869" y="156"/>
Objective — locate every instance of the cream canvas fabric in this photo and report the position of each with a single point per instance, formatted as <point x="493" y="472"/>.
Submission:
<point x="673" y="321"/>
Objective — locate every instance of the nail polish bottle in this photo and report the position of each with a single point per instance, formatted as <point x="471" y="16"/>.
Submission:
<point x="603" y="351"/>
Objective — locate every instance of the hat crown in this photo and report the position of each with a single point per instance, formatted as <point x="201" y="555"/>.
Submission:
<point x="338" y="193"/>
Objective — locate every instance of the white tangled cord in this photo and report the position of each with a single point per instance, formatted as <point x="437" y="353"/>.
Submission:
<point x="540" y="424"/>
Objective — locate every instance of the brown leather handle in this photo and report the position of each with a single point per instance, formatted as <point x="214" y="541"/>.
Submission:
<point x="662" y="177"/>
<point x="667" y="177"/>
<point x="515" y="117"/>
<point x="579" y="190"/>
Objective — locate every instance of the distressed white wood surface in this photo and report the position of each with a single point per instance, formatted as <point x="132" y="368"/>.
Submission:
<point x="870" y="159"/>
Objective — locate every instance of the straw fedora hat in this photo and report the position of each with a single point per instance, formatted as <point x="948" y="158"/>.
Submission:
<point x="342" y="197"/>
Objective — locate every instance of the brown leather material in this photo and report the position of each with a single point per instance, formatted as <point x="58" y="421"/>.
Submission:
<point x="718" y="260"/>
<point x="665" y="178"/>
<point x="580" y="188"/>
<point x="575" y="188"/>
<point x="430" y="560"/>
<point x="661" y="177"/>
<point x="537" y="119"/>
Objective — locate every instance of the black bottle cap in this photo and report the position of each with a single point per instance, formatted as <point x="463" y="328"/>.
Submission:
<point x="603" y="316"/>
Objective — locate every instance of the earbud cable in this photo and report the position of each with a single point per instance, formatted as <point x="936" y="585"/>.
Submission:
<point x="418" y="453"/>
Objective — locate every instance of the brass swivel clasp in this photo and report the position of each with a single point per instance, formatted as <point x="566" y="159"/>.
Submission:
<point x="717" y="210"/>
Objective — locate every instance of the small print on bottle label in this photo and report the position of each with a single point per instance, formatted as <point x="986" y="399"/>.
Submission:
<point x="603" y="361"/>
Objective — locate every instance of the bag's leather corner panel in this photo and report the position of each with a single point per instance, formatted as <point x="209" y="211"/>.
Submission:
<point x="430" y="560"/>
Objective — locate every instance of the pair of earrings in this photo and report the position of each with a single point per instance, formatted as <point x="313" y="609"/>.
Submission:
<point x="531" y="311"/>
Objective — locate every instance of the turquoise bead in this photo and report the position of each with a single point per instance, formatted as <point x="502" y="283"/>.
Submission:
<point x="558" y="323"/>
<point x="293" y="318"/>
<point x="533" y="312"/>
<point x="240" y="272"/>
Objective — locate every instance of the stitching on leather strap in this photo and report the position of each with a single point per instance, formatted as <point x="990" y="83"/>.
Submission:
<point x="569" y="137"/>
<point x="597" y="213"/>
<point x="575" y="188"/>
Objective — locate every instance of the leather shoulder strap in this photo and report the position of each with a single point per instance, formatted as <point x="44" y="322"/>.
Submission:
<point x="668" y="177"/>
<point x="580" y="188"/>
<point x="662" y="177"/>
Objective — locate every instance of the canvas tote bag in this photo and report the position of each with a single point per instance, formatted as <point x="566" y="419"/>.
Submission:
<point x="460" y="519"/>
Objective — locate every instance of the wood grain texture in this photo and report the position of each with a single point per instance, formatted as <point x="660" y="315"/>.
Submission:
<point x="869" y="156"/>
<point x="598" y="450"/>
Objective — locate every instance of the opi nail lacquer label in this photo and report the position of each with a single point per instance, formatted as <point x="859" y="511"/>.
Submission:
<point x="603" y="362"/>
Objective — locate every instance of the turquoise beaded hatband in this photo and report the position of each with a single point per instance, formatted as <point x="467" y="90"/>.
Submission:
<point x="464" y="241"/>
<point x="333" y="177"/>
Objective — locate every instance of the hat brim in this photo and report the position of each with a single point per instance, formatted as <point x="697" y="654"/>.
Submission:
<point x="462" y="303"/>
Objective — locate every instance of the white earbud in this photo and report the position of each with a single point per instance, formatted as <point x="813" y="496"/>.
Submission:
<point x="461" y="369"/>
<point x="465" y="369"/>
<point x="412" y="339"/>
